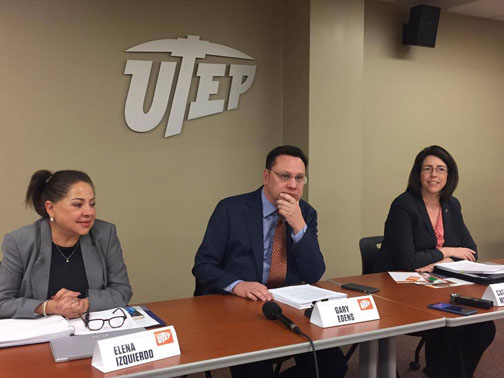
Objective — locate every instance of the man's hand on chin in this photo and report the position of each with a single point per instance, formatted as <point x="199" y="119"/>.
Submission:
<point x="252" y="290"/>
<point x="288" y="207"/>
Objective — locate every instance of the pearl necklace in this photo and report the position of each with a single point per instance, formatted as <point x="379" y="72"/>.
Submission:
<point x="71" y="254"/>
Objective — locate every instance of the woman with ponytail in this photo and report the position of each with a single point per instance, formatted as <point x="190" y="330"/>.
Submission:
<point x="67" y="262"/>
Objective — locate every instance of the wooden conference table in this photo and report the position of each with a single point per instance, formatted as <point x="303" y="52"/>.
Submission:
<point x="419" y="297"/>
<point x="217" y="331"/>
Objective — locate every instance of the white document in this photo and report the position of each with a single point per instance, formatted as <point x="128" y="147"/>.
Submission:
<point x="426" y="279"/>
<point x="407" y="277"/>
<point x="302" y="296"/>
<point x="465" y="266"/>
<point x="451" y="282"/>
<point x="32" y="331"/>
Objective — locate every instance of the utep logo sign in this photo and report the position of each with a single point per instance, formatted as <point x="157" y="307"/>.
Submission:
<point x="365" y="304"/>
<point x="189" y="49"/>
<point x="163" y="337"/>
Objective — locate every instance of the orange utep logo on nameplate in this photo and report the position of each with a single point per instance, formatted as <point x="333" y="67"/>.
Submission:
<point x="365" y="304"/>
<point x="163" y="337"/>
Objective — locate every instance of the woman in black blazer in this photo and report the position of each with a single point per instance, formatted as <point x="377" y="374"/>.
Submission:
<point x="424" y="227"/>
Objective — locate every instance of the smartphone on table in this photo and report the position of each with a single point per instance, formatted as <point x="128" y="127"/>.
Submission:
<point x="454" y="309"/>
<point x="134" y="313"/>
<point x="357" y="287"/>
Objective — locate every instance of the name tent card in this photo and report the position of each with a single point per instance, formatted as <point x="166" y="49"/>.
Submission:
<point x="495" y="293"/>
<point x="135" y="349"/>
<point x="338" y="312"/>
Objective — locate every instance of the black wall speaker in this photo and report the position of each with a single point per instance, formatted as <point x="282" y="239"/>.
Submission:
<point x="421" y="29"/>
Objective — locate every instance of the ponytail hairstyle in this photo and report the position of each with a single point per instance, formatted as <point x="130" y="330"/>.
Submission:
<point x="46" y="186"/>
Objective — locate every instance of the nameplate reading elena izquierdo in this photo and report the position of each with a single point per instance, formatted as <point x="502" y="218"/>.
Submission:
<point x="338" y="312"/>
<point x="135" y="349"/>
<point x="495" y="293"/>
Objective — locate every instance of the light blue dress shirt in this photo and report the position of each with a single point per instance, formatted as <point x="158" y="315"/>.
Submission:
<point x="270" y="217"/>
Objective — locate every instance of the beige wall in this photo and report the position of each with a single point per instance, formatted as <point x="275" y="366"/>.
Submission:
<point x="363" y="105"/>
<point x="452" y="95"/>
<point x="296" y="77"/>
<point x="335" y="135"/>
<point x="63" y="94"/>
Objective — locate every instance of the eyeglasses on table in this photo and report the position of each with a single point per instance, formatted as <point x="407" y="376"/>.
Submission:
<point x="97" y="324"/>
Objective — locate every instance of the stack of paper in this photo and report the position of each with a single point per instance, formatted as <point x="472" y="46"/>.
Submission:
<point x="465" y="266"/>
<point x="303" y="296"/>
<point x="32" y="331"/>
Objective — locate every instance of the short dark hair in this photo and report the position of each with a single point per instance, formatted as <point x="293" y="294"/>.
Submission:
<point x="285" y="150"/>
<point x="47" y="186"/>
<point x="414" y="184"/>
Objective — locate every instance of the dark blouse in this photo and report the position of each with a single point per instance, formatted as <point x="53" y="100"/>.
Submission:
<point x="70" y="275"/>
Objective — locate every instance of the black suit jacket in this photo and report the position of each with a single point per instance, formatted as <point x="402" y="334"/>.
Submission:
<point x="410" y="242"/>
<point x="232" y="248"/>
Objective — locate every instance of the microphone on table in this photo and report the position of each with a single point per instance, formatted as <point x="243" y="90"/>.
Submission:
<point x="274" y="312"/>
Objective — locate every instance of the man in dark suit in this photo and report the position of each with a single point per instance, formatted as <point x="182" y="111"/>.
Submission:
<point x="264" y="239"/>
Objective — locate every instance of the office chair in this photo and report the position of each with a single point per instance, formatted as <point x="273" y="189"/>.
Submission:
<point x="369" y="253"/>
<point x="370" y="249"/>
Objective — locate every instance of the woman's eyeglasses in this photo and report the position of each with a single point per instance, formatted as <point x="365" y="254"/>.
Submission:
<point x="440" y="169"/>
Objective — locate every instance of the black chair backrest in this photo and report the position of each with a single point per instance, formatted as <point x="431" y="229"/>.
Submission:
<point x="369" y="249"/>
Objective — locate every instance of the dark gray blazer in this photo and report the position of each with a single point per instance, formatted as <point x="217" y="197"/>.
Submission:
<point x="24" y="272"/>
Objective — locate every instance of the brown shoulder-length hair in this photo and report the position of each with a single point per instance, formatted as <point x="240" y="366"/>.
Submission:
<point x="414" y="184"/>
